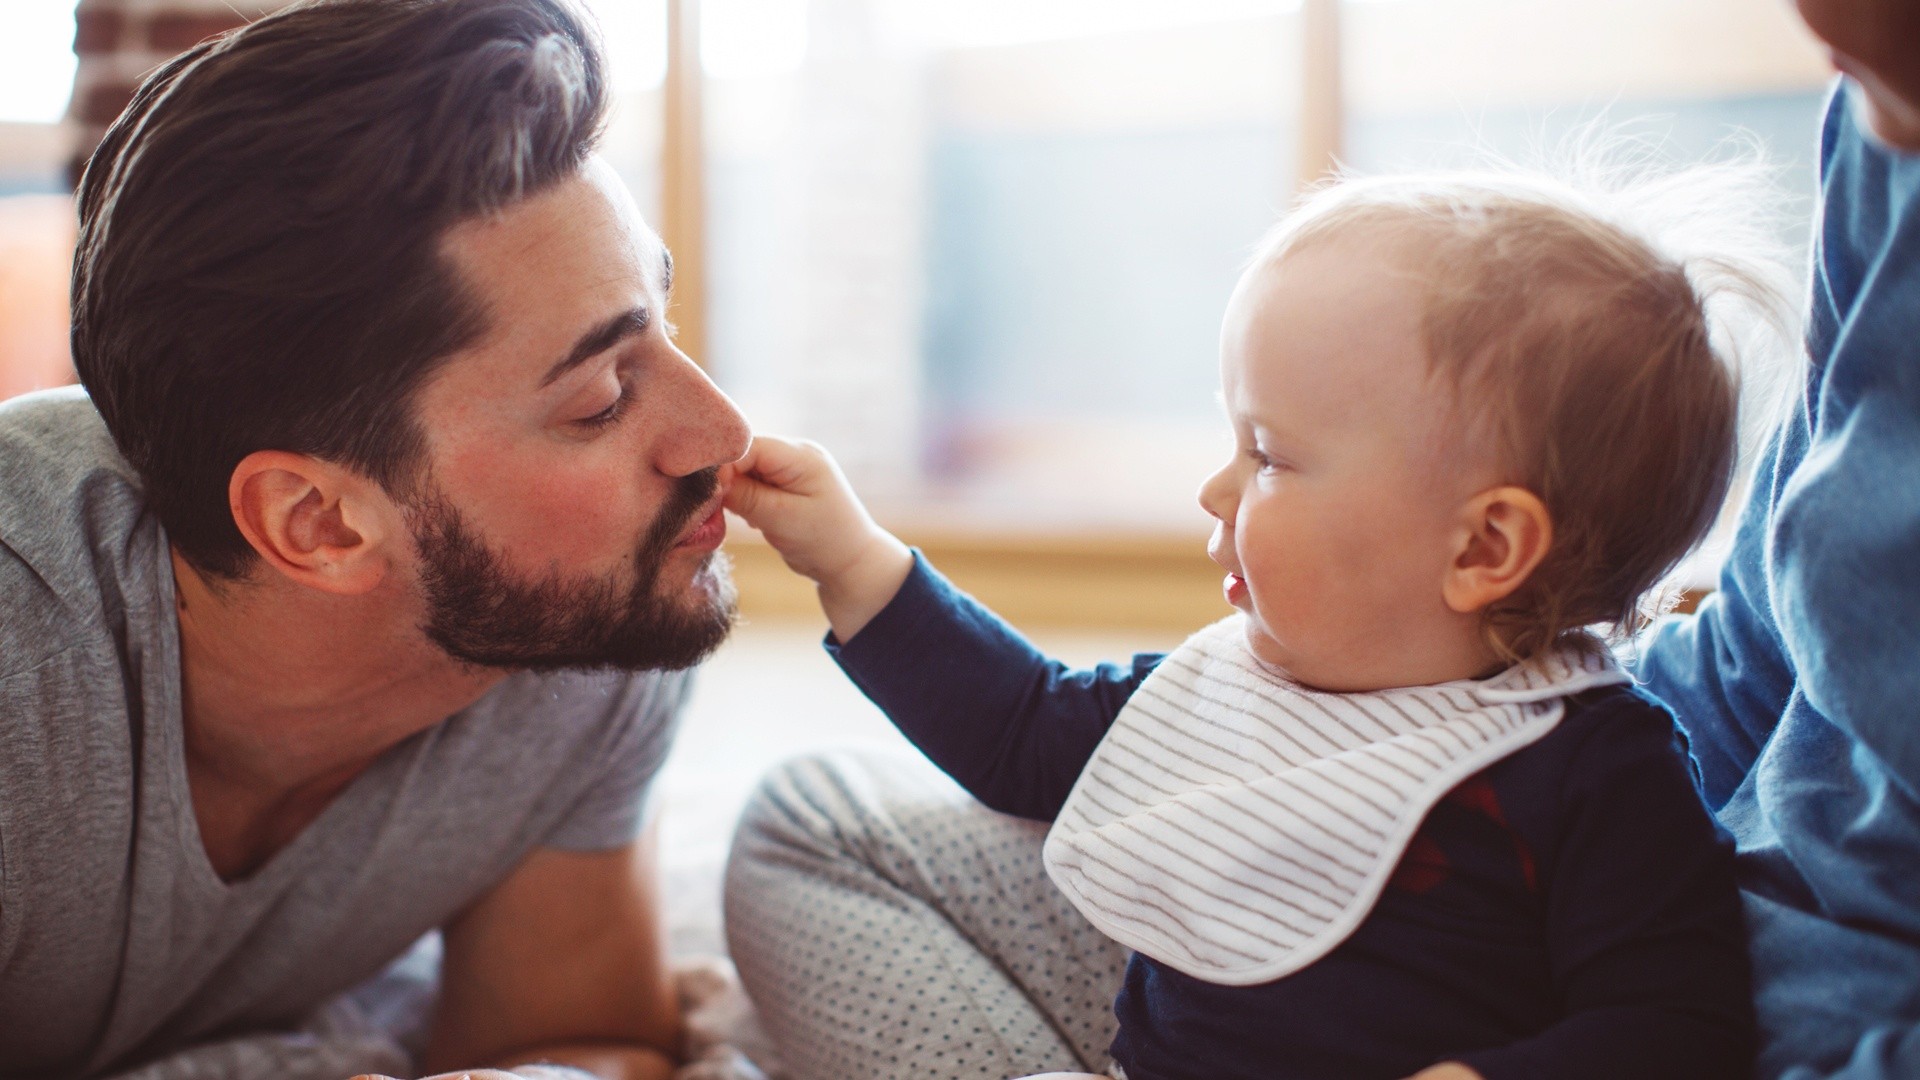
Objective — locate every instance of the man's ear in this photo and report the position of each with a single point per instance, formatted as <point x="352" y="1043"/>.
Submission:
<point x="1505" y="533"/>
<point x="322" y="525"/>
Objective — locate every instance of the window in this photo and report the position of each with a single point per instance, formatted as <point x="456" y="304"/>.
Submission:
<point x="36" y="61"/>
<point x="980" y="248"/>
<point x="36" y="77"/>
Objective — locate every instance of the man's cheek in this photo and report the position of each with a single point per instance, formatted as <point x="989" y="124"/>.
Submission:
<point x="578" y="528"/>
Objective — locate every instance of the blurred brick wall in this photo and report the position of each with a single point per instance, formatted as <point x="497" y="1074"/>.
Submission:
<point x="120" y="41"/>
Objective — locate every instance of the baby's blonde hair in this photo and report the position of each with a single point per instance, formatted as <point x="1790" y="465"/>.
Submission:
<point x="1592" y="337"/>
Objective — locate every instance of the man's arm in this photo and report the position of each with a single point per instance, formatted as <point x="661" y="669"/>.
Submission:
<point x="563" y="962"/>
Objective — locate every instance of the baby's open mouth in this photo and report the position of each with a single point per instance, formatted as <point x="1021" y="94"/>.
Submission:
<point x="1235" y="588"/>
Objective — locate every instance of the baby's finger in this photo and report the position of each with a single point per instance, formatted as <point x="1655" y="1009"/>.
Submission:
<point x="746" y="495"/>
<point x="760" y="503"/>
<point x="745" y="464"/>
<point x="762" y="453"/>
<point x="786" y="464"/>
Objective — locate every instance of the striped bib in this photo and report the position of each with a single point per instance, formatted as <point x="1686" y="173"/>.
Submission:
<point x="1237" y="826"/>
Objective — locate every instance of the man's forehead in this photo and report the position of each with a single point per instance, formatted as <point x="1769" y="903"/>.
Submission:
<point x="575" y="252"/>
<point x="592" y="204"/>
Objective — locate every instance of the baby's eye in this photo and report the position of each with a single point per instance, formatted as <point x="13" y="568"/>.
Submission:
<point x="1259" y="457"/>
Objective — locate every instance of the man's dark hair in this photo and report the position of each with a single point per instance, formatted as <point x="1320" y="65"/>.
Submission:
<point x="259" y="263"/>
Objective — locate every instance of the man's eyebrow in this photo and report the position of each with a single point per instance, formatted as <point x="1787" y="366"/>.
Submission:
<point x="629" y="323"/>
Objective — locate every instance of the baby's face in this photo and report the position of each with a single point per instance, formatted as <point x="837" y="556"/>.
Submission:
<point x="1338" y="515"/>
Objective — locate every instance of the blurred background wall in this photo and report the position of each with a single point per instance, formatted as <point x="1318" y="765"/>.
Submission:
<point x="980" y="247"/>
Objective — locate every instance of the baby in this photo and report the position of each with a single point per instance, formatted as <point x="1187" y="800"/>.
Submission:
<point x="1401" y="814"/>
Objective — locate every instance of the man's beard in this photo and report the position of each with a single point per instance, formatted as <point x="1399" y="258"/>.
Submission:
<point x="480" y="612"/>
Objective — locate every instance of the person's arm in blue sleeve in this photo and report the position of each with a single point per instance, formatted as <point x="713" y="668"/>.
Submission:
<point x="1846" y="542"/>
<point x="1825" y="590"/>
<point x="1845" y="571"/>
<point x="1891" y="1052"/>
<point x="1643" y="922"/>
<point x="1013" y="727"/>
<point x="1722" y="669"/>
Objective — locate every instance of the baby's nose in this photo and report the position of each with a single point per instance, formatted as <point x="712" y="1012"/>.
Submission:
<point x="1216" y="499"/>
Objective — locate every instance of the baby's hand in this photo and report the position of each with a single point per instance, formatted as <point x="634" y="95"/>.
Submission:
<point x="795" y="495"/>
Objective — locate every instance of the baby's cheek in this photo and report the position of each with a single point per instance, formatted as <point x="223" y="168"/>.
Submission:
<point x="1327" y="575"/>
<point x="1280" y="582"/>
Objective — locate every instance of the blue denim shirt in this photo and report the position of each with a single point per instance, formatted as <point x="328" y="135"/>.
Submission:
<point x="1798" y="682"/>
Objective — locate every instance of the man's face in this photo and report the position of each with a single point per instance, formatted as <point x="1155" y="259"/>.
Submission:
<point x="570" y="514"/>
<point x="1877" y="44"/>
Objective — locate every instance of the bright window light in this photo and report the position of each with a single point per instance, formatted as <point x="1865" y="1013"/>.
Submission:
<point x="752" y="38"/>
<point x="36" y="61"/>
<point x="968" y="23"/>
<point x="635" y="35"/>
<point x="964" y="23"/>
<point x="738" y="38"/>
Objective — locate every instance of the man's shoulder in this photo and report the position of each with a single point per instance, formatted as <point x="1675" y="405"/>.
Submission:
<point x="80" y="647"/>
<point x="54" y="430"/>
<point x="78" y="549"/>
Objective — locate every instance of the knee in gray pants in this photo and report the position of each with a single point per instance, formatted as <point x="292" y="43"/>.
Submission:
<point x="886" y="924"/>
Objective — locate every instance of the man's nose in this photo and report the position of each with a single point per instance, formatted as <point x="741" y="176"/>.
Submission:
<point x="706" y="428"/>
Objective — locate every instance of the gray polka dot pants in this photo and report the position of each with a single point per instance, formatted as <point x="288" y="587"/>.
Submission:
<point x="886" y="925"/>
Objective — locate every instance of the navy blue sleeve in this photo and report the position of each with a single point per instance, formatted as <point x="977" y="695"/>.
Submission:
<point x="1645" y="935"/>
<point x="1013" y="727"/>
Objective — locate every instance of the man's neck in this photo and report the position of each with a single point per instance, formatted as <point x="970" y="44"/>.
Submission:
<point x="287" y="694"/>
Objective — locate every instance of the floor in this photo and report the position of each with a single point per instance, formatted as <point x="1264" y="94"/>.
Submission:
<point x="770" y="693"/>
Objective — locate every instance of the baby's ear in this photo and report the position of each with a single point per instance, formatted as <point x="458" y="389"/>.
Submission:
<point x="1504" y="533"/>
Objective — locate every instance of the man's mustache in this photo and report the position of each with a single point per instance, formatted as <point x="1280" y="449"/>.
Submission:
<point x="691" y="494"/>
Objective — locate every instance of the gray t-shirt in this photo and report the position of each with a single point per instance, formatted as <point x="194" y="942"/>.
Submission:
<point x="118" y="942"/>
